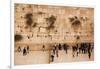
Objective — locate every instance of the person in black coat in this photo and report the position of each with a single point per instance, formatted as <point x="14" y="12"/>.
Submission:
<point x="59" y="47"/>
<point x="52" y="58"/>
<point x="24" y="51"/>
<point x="89" y="51"/>
<point x="65" y="47"/>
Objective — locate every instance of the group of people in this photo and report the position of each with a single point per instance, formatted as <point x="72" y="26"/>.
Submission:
<point x="82" y="48"/>
<point x="79" y="48"/>
<point x="25" y="50"/>
<point x="55" y="48"/>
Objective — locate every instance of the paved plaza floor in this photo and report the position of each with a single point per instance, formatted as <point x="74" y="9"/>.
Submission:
<point x="43" y="57"/>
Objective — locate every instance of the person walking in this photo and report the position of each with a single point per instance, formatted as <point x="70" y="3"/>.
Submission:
<point x="89" y="51"/>
<point x="52" y="58"/>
